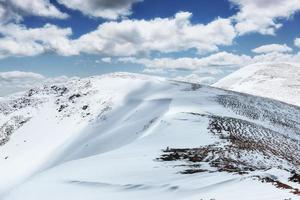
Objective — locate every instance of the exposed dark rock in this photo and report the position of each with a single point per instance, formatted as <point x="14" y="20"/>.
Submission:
<point x="280" y="185"/>
<point x="62" y="107"/>
<point x="295" y="177"/>
<point x="8" y="128"/>
<point x="59" y="90"/>
<point x="73" y="97"/>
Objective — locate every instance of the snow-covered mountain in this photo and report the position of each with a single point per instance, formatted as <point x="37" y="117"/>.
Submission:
<point x="129" y="136"/>
<point x="280" y="81"/>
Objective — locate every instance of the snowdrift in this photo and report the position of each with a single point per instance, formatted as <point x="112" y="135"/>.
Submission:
<point x="129" y="136"/>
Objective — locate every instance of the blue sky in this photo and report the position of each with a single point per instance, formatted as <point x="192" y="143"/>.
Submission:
<point x="231" y="30"/>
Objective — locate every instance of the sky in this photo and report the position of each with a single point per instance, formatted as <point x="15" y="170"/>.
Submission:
<point x="185" y="39"/>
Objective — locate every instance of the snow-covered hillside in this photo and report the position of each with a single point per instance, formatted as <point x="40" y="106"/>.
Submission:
<point x="129" y="136"/>
<point x="280" y="81"/>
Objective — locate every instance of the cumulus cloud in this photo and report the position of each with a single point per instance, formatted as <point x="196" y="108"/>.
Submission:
<point x="154" y="71"/>
<point x="16" y="9"/>
<point x="272" y="48"/>
<point x="277" y="57"/>
<point x="297" y="42"/>
<point x="132" y="37"/>
<point x="109" y="9"/>
<point x="106" y="59"/>
<point x="11" y="75"/>
<point x="207" y="70"/>
<point x="124" y="38"/>
<point x="195" y="78"/>
<point x="263" y="15"/>
<point x="16" y="81"/>
<point x="212" y="65"/>
<point x="221" y="59"/>
<point x="18" y="40"/>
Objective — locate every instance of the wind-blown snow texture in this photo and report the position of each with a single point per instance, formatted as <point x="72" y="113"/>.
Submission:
<point x="280" y="81"/>
<point x="129" y="136"/>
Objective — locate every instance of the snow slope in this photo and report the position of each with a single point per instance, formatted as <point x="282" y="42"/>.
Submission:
<point x="280" y="81"/>
<point x="129" y="136"/>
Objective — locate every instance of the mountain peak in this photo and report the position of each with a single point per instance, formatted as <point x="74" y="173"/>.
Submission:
<point x="278" y="81"/>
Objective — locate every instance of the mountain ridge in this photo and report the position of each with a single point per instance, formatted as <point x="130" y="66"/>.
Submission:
<point x="278" y="81"/>
<point x="129" y="135"/>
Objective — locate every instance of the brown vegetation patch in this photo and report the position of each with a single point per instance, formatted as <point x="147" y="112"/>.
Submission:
<point x="245" y="135"/>
<point x="217" y="157"/>
<point x="280" y="185"/>
<point x="295" y="177"/>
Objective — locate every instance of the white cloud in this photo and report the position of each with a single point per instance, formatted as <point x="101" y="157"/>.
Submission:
<point x="109" y="9"/>
<point x="154" y="71"/>
<point x="297" y="42"/>
<point x="16" y="9"/>
<point x="277" y="57"/>
<point x="125" y="38"/>
<point x="272" y="48"/>
<point x="18" y="40"/>
<point x="212" y="65"/>
<point x="221" y="59"/>
<point x="16" y="81"/>
<point x="262" y="15"/>
<point x="132" y="37"/>
<point x="207" y="70"/>
<point x="11" y="75"/>
<point x="195" y="78"/>
<point x="106" y="59"/>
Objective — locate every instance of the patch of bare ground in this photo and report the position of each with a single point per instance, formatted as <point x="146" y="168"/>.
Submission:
<point x="295" y="177"/>
<point x="223" y="159"/>
<point x="248" y="136"/>
<point x="8" y="128"/>
<point x="243" y="147"/>
<point x="217" y="157"/>
<point x="280" y="185"/>
<point x="274" y="112"/>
